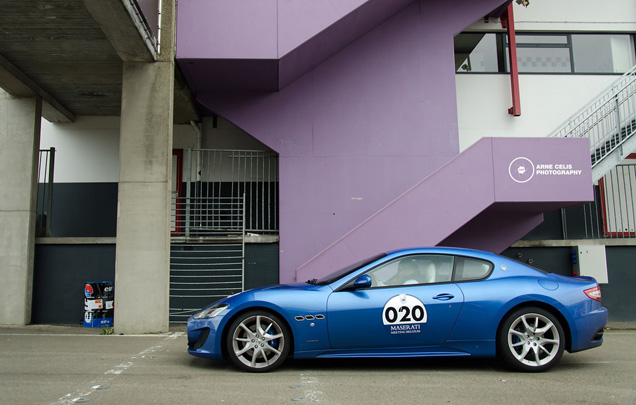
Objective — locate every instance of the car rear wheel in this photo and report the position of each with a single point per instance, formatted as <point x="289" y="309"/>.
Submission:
<point x="531" y="339"/>
<point x="258" y="341"/>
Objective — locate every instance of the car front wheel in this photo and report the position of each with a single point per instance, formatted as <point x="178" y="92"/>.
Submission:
<point x="531" y="339"/>
<point x="258" y="341"/>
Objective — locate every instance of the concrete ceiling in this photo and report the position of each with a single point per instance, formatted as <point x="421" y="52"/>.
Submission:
<point x="70" y="52"/>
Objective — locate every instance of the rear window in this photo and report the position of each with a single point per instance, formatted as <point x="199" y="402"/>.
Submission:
<point x="469" y="269"/>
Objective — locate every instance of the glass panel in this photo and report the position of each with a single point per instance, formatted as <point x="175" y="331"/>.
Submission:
<point x="603" y="53"/>
<point x="471" y="269"/>
<point x="541" y="39"/>
<point x="543" y="60"/>
<point x="409" y="270"/>
<point x="476" y="52"/>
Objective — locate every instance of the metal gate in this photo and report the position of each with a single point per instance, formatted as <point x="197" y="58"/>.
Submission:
<point x="219" y="196"/>
<point x="207" y="262"/>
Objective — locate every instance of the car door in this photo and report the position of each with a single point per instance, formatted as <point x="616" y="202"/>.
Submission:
<point x="398" y="313"/>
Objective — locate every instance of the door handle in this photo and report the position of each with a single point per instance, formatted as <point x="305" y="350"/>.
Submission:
<point x="444" y="297"/>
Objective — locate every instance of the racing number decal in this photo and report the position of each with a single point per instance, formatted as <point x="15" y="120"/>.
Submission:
<point x="403" y="309"/>
<point x="404" y="313"/>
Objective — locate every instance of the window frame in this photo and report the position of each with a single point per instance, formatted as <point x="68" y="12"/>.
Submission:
<point x="501" y="50"/>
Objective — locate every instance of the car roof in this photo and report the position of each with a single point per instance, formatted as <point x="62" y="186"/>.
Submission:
<point x="443" y="250"/>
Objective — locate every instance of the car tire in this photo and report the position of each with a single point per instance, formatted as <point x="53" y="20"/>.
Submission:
<point x="258" y="341"/>
<point x="531" y="339"/>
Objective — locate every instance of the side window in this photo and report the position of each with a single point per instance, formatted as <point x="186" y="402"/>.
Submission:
<point x="467" y="269"/>
<point x="415" y="269"/>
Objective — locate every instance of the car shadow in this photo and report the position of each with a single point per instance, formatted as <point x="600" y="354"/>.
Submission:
<point x="362" y="365"/>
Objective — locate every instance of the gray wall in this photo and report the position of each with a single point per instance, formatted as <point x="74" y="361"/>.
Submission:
<point x="59" y="274"/>
<point x="84" y="210"/>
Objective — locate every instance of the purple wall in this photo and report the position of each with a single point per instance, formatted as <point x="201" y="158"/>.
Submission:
<point x="270" y="29"/>
<point x="357" y="130"/>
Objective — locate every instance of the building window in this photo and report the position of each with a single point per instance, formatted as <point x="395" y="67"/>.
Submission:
<point x="603" y="53"/>
<point x="542" y="54"/>
<point x="546" y="53"/>
<point x="478" y="52"/>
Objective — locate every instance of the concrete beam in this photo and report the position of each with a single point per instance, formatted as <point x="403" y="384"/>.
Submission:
<point x="123" y="28"/>
<point x="20" y="140"/>
<point x="18" y="84"/>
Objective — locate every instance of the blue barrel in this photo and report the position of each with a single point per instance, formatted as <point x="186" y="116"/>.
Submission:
<point x="99" y="300"/>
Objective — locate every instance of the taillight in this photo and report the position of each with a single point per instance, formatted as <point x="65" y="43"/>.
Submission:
<point x="594" y="293"/>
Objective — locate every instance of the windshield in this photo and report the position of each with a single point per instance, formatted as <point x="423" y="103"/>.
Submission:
<point x="328" y="279"/>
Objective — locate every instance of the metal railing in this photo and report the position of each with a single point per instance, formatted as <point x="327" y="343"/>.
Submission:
<point x="199" y="218"/>
<point x="613" y="212"/>
<point x="609" y="122"/>
<point x="44" y="205"/>
<point x="145" y="30"/>
<point x="212" y="175"/>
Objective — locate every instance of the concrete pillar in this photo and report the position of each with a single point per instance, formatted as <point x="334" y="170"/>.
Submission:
<point x="20" y="140"/>
<point x="142" y="269"/>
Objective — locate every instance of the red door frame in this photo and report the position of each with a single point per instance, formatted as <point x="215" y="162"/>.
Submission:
<point x="178" y="225"/>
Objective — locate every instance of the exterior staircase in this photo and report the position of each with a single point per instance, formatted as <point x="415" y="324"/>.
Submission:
<point x="609" y="121"/>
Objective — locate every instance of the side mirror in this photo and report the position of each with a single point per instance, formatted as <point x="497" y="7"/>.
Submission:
<point x="364" y="281"/>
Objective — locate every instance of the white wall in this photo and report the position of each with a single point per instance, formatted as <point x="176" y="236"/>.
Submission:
<point x="571" y="15"/>
<point x="546" y="102"/>
<point x="577" y="15"/>
<point x="86" y="151"/>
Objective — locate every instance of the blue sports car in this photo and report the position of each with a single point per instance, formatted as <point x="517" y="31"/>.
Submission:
<point x="409" y="303"/>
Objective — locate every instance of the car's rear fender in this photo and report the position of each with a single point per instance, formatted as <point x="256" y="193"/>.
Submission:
<point x="481" y="316"/>
<point x="561" y="317"/>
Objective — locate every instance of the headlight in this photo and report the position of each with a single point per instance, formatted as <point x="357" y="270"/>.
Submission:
<point x="211" y="312"/>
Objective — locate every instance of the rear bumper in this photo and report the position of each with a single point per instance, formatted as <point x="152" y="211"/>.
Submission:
<point x="587" y="332"/>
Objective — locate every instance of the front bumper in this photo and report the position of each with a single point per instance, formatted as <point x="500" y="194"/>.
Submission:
<point x="202" y="338"/>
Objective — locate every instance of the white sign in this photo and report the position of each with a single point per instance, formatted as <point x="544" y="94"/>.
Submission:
<point x="404" y="314"/>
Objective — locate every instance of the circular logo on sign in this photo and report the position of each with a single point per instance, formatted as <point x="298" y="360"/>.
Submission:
<point x="521" y="169"/>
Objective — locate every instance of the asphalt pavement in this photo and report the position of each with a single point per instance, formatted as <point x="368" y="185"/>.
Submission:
<point x="67" y="365"/>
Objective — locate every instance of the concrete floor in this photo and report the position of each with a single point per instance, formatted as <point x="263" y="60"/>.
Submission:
<point x="65" y="365"/>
